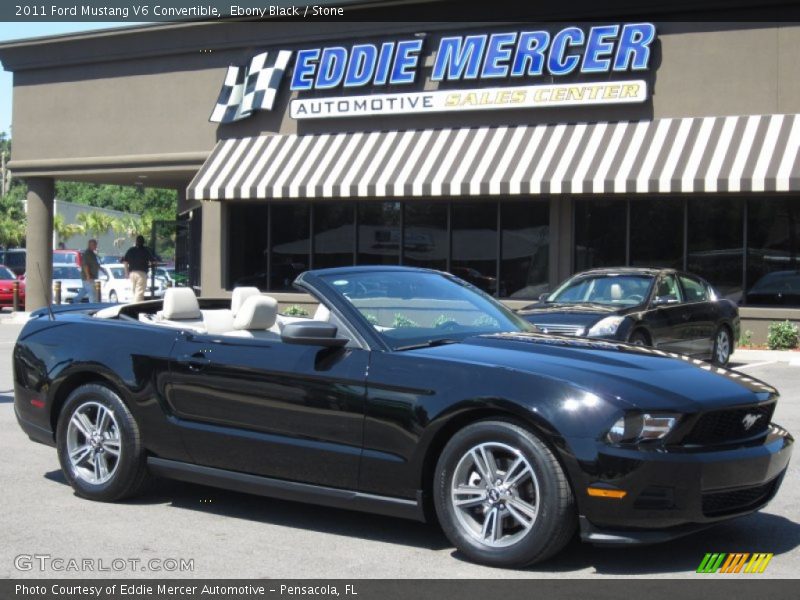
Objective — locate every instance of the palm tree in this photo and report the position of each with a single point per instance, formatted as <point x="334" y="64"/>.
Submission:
<point x="95" y="223"/>
<point x="65" y="230"/>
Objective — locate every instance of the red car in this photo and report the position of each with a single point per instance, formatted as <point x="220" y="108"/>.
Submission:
<point x="7" y="279"/>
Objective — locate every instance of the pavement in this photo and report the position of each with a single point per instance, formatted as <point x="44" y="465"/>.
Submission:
<point x="228" y="534"/>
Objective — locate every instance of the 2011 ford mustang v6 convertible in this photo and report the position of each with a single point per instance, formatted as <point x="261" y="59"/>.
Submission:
<point x="410" y="393"/>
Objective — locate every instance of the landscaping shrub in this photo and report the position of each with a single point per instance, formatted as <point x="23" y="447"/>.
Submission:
<point x="782" y="336"/>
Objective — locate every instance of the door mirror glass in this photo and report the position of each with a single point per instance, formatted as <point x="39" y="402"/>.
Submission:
<point x="544" y="297"/>
<point x="312" y="333"/>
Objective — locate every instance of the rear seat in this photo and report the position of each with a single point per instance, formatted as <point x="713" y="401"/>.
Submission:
<point x="254" y="319"/>
<point x="181" y="310"/>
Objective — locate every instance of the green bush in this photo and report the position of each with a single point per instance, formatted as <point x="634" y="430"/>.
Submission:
<point x="295" y="311"/>
<point x="782" y="336"/>
<point x="401" y="320"/>
<point x="746" y="338"/>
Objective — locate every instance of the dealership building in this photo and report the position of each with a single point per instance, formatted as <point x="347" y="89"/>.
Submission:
<point x="510" y="154"/>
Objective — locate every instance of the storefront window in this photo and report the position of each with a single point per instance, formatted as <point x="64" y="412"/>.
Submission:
<point x="657" y="232"/>
<point x="247" y="254"/>
<point x="773" y="249"/>
<point x="524" y="265"/>
<point x="379" y="233"/>
<point x="425" y="240"/>
<point x="715" y="243"/>
<point x="474" y="251"/>
<point x="290" y="244"/>
<point x="600" y="231"/>
<point x="334" y="234"/>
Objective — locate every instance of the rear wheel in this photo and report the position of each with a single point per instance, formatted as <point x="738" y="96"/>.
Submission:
<point x="501" y="496"/>
<point x="99" y="445"/>
<point x="639" y="338"/>
<point x="723" y="346"/>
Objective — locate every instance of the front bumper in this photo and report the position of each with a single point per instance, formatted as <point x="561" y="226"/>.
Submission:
<point x="674" y="492"/>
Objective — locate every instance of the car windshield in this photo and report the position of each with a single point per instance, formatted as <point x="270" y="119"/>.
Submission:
<point x="609" y="289"/>
<point x="66" y="273"/>
<point x="6" y="274"/>
<point x="117" y="272"/>
<point x="418" y="308"/>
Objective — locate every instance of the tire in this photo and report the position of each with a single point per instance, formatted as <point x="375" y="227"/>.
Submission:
<point x="723" y="345"/>
<point x="639" y="338"/>
<point x="536" y="512"/>
<point x="88" y="461"/>
<point x="112" y="297"/>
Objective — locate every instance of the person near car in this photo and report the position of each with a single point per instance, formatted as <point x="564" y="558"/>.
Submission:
<point x="90" y="268"/>
<point x="138" y="260"/>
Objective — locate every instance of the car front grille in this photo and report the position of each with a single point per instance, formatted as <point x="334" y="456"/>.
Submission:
<point x="560" y="329"/>
<point x="722" y="503"/>
<point x="721" y="426"/>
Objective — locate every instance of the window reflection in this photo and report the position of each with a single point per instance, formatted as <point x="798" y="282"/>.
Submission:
<point x="247" y="254"/>
<point x="600" y="230"/>
<point x="334" y="234"/>
<point x="425" y="243"/>
<point x="657" y="232"/>
<point x="290" y="244"/>
<point x="715" y="243"/>
<point x="525" y="266"/>
<point x="474" y="252"/>
<point x="379" y="233"/>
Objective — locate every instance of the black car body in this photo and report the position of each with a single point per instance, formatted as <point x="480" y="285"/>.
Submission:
<point x="662" y="308"/>
<point x="400" y="400"/>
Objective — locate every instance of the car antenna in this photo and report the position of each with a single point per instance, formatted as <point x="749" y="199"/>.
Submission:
<point x="49" y="296"/>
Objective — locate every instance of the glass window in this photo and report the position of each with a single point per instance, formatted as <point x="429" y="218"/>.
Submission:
<point x="474" y="252"/>
<point x="714" y="242"/>
<point x="609" y="289"/>
<point x="693" y="290"/>
<point x="290" y="244"/>
<point x="668" y="291"/>
<point x="334" y="234"/>
<point x="425" y="240"/>
<point x="773" y="246"/>
<point x="600" y="230"/>
<point x="657" y="232"/>
<point x="66" y="273"/>
<point x="379" y="233"/>
<point x="247" y="245"/>
<point x="6" y="274"/>
<point x="525" y="265"/>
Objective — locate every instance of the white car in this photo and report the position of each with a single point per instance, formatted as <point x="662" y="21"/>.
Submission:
<point x="71" y="283"/>
<point x="117" y="288"/>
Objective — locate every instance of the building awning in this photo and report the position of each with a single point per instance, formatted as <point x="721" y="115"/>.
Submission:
<point x="711" y="154"/>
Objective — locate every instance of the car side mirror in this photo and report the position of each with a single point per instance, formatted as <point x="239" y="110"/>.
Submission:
<point x="312" y="333"/>
<point x="544" y="297"/>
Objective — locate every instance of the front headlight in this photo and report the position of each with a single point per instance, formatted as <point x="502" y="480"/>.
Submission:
<point x="641" y="427"/>
<point x="607" y="326"/>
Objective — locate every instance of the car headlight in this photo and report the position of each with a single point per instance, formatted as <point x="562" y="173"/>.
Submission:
<point x="607" y="326"/>
<point x="641" y="427"/>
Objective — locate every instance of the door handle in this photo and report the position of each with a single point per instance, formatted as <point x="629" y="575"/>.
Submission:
<point x="197" y="361"/>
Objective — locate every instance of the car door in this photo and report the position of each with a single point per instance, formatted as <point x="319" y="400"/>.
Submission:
<point x="699" y="328"/>
<point x="270" y="408"/>
<point x="667" y="316"/>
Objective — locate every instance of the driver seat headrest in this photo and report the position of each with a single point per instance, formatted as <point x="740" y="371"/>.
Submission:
<point x="240" y="294"/>
<point x="180" y="304"/>
<point x="256" y="312"/>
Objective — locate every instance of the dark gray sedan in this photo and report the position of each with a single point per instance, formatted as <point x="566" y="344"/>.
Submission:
<point x="663" y="308"/>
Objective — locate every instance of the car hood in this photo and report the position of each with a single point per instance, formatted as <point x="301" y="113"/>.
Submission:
<point x="642" y="377"/>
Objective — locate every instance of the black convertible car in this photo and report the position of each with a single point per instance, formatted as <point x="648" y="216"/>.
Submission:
<point x="662" y="308"/>
<point x="410" y="393"/>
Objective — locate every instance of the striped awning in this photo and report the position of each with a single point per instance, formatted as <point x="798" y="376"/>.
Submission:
<point x="711" y="154"/>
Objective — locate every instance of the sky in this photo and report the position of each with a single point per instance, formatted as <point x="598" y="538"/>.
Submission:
<point x="12" y="31"/>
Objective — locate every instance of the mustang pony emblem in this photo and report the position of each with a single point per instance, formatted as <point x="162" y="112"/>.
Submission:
<point x="749" y="420"/>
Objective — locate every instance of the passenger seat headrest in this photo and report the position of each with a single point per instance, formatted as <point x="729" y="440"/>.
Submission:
<point x="257" y="312"/>
<point x="240" y="294"/>
<point x="616" y="291"/>
<point x="181" y="303"/>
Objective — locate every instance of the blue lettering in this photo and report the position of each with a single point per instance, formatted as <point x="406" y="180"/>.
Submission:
<point x="529" y="59"/>
<point x="560" y="63"/>
<point x="303" y="76"/>
<point x="598" y="47"/>
<point x="457" y="61"/>
<point x="384" y="62"/>
<point x="361" y="66"/>
<point x="498" y="52"/>
<point x="634" y="47"/>
<point x="405" y="62"/>
<point x="331" y="68"/>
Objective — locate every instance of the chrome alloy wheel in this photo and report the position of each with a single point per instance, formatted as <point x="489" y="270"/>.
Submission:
<point x="495" y="494"/>
<point x="723" y="347"/>
<point x="93" y="443"/>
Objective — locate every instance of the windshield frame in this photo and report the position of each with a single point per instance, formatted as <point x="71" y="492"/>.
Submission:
<point x="317" y="284"/>
<point x="611" y="274"/>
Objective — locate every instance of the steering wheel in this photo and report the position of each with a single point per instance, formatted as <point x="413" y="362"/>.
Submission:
<point x="636" y="297"/>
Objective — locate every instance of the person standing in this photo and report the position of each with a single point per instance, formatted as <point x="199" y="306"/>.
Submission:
<point x="90" y="268"/>
<point x="137" y="261"/>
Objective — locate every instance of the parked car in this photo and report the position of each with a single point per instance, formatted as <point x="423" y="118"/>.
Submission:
<point x="170" y="277"/>
<point x="14" y="259"/>
<point x="117" y="288"/>
<point x="409" y="393"/>
<point x="779" y="288"/>
<point x="663" y="308"/>
<point x="67" y="257"/>
<point x="111" y="259"/>
<point x="7" y="279"/>
<point x="71" y="282"/>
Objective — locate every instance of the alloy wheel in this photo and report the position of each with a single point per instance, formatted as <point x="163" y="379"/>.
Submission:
<point x="723" y="347"/>
<point x="93" y="443"/>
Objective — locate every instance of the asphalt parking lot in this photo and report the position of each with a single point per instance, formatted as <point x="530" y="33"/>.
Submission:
<point x="229" y="534"/>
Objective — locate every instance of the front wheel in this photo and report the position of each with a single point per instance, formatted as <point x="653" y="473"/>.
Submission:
<point x="722" y="347"/>
<point x="502" y="497"/>
<point x="112" y="297"/>
<point x="639" y="338"/>
<point x="99" y="445"/>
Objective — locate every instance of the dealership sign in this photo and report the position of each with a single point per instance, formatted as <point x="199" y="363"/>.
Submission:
<point x="529" y="63"/>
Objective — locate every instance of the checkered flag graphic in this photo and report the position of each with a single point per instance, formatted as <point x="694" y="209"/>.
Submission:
<point x="250" y="88"/>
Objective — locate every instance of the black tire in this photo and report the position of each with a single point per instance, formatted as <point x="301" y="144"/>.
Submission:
<point x="639" y="338"/>
<point x="554" y="522"/>
<point x="723" y="347"/>
<point x="127" y="474"/>
<point x="112" y="297"/>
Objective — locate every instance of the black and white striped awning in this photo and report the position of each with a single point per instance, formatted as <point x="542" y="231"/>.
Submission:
<point x="711" y="154"/>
